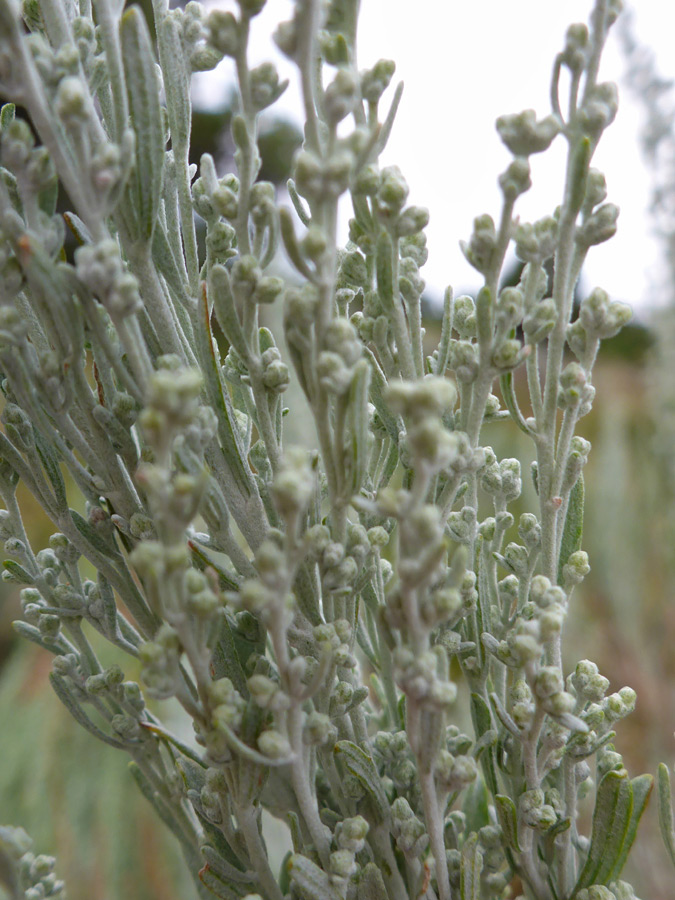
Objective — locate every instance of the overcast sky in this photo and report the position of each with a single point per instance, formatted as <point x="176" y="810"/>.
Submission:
<point x="465" y="64"/>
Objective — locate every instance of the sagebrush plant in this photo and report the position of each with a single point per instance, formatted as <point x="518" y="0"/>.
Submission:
<point x="305" y="608"/>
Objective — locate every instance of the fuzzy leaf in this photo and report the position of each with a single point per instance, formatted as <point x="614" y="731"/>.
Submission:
<point x="92" y="536"/>
<point x="384" y="255"/>
<point x="666" y="810"/>
<point x="217" y="885"/>
<point x="642" y="789"/>
<point x="611" y="822"/>
<point x="362" y="767"/>
<point x="471" y="866"/>
<point x="176" y="81"/>
<point x="574" y="525"/>
<point x="230" y="441"/>
<point x="220" y="294"/>
<point x="511" y="402"/>
<point x="508" y="819"/>
<point x="482" y="721"/>
<point x="311" y="882"/>
<point x="33" y="634"/>
<point x="475" y="805"/>
<point x="358" y="412"/>
<point x="371" y="884"/>
<point x="18" y="574"/>
<point x="64" y="694"/>
<point x="146" y="116"/>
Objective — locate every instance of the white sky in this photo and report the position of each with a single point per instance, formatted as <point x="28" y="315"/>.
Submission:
<point x="464" y="65"/>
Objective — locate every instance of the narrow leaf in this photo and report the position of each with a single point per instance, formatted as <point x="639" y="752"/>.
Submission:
<point x="508" y="819"/>
<point x="220" y="294"/>
<point x="471" y="866"/>
<point x="613" y="808"/>
<point x="225" y="869"/>
<point x="233" y="452"/>
<point x="176" y="81"/>
<point x="642" y="789"/>
<point x="225" y="659"/>
<point x="217" y="885"/>
<point x="362" y="767"/>
<point x="574" y="525"/>
<point x="384" y="255"/>
<point x="482" y="722"/>
<point x="371" y="885"/>
<point x="92" y="536"/>
<point x="666" y="810"/>
<point x="360" y="432"/>
<point x="65" y="696"/>
<point x="291" y="243"/>
<point x="311" y="882"/>
<point x="33" y="634"/>
<point x="511" y="403"/>
<point x="18" y="574"/>
<point x="146" y="116"/>
<point x="443" y="352"/>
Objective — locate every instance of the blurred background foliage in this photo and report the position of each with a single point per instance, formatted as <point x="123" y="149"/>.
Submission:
<point x="74" y="795"/>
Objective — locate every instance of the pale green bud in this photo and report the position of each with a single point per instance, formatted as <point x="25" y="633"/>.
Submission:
<point x="341" y="95"/>
<point x="265" y="86"/>
<point x="540" y="322"/>
<point x="273" y="744"/>
<point x="576" y="49"/>
<point x="516" y="179"/>
<point x="318" y="729"/>
<point x="576" y="568"/>
<point x="510" y="306"/>
<point x="71" y="103"/>
<point x="464" y="360"/>
<point x="600" y="108"/>
<point x="600" y="226"/>
<point x="464" y="316"/>
<point x="351" y="834"/>
<point x="523" y="134"/>
<point x="412" y="220"/>
<point x="482" y="243"/>
<point x="508" y="354"/>
<point x="548" y="681"/>
<point x="392" y="192"/>
<point x="375" y="81"/>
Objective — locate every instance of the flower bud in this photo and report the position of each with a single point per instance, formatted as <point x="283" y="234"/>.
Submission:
<point x="523" y="135"/>
<point x="375" y="81"/>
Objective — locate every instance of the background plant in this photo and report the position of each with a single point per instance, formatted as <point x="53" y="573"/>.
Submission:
<point x="306" y="609"/>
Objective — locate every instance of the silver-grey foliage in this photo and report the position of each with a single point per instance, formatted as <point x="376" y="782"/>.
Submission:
<point x="305" y="608"/>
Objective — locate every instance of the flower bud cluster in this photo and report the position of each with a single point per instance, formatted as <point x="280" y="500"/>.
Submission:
<point x="418" y="678"/>
<point x="407" y="830"/>
<point x="160" y="660"/>
<point x="335" y="639"/>
<point x="215" y="198"/>
<point x="524" y="135"/>
<point x="33" y="876"/>
<point x="534" y="811"/>
<point x="429" y="444"/>
<point x="172" y="404"/>
<point x="100" y="268"/>
<point x="536" y="242"/>
<point x="335" y="364"/>
<point x="454" y="773"/>
<point x="391" y="751"/>
<point x="317" y="178"/>
<point x="575" y="391"/>
<point x="294" y="484"/>
<point x="599" y="319"/>
<point x="482" y="243"/>
<point x="501" y="479"/>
